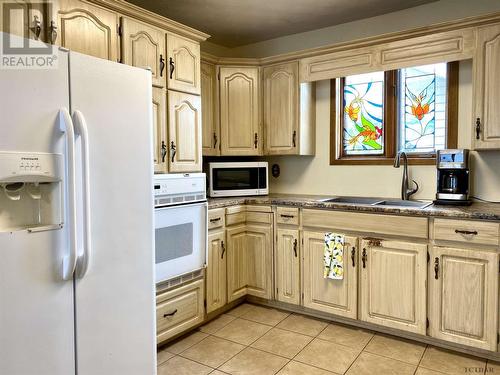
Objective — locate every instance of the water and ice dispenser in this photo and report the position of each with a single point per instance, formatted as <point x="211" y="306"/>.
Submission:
<point x="31" y="191"/>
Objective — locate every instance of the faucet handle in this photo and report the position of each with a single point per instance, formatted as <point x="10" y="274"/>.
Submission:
<point x="413" y="191"/>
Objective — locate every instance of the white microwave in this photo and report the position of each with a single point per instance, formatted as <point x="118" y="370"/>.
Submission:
<point x="237" y="179"/>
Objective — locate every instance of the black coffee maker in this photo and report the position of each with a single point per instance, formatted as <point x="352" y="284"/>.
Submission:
<point x="453" y="177"/>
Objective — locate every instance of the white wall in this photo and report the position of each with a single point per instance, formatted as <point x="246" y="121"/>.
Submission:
<point x="314" y="175"/>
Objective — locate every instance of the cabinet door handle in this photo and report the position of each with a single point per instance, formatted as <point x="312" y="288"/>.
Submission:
<point x="478" y="128"/>
<point x="173" y="150"/>
<point x="215" y="140"/>
<point x="214" y="220"/>
<point x="223" y="249"/>
<point x="295" y="247"/>
<point x="162" y="65"/>
<point x="256" y="140"/>
<point x="468" y="232"/>
<point x="170" y="314"/>
<point x="364" y="257"/>
<point x="163" y="151"/>
<point x="285" y="216"/>
<point x="37" y="28"/>
<point x="436" y="268"/>
<point x="353" y="256"/>
<point x="294" y="138"/>
<point x="172" y="67"/>
<point x="53" y="32"/>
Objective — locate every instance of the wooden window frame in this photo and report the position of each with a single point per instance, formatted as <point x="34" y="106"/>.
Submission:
<point x="337" y="156"/>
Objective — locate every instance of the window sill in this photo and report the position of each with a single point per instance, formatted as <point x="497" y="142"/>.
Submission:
<point x="431" y="160"/>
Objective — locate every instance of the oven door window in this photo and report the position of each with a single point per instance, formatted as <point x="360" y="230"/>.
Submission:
<point x="239" y="178"/>
<point x="173" y="242"/>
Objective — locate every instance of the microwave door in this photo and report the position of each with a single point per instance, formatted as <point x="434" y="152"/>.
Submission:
<point x="180" y="240"/>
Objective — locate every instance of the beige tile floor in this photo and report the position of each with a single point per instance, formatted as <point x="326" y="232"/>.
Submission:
<point x="257" y="340"/>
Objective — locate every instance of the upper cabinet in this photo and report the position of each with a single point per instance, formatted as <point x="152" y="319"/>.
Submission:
<point x="288" y="111"/>
<point x="143" y="46"/>
<point x="183" y="64"/>
<point x="160" y="130"/>
<point x="209" y="113"/>
<point x="184" y="130"/>
<point x="24" y="18"/>
<point x="487" y="89"/>
<point x="85" y="28"/>
<point x="239" y="111"/>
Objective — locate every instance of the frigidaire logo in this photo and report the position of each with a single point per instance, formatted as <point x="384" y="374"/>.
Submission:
<point x="32" y="159"/>
<point x="34" y="50"/>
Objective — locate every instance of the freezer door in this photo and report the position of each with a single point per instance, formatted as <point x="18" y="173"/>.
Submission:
<point x="115" y="312"/>
<point x="36" y="305"/>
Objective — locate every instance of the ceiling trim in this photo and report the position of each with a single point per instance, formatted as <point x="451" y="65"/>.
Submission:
<point x="124" y="8"/>
<point x="359" y="43"/>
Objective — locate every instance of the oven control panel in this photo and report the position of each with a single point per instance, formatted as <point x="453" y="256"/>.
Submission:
<point x="179" y="188"/>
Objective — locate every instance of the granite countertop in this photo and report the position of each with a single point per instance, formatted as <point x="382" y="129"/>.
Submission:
<point x="477" y="211"/>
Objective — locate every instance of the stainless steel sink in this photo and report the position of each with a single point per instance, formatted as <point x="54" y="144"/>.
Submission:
<point x="351" y="200"/>
<point x="377" y="202"/>
<point x="402" y="203"/>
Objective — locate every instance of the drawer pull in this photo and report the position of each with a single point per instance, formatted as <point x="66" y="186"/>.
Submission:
<point x="215" y="220"/>
<point x="436" y="268"/>
<point x="364" y="257"/>
<point x="467" y="232"/>
<point x="285" y="216"/>
<point x="170" y="314"/>
<point x="353" y="256"/>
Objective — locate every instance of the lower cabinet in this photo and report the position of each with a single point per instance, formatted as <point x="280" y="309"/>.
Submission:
<point x="258" y="260"/>
<point x="337" y="297"/>
<point x="179" y="309"/>
<point x="463" y="296"/>
<point x="216" y="271"/>
<point x="287" y="266"/>
<point x="236" y="262"/>
<point x="393" y="284"/>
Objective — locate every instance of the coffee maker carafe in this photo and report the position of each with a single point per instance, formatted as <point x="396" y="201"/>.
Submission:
<point x="453" y="177"/>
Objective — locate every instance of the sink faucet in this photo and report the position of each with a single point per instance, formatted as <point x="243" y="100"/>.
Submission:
<point x="405" y="191"/>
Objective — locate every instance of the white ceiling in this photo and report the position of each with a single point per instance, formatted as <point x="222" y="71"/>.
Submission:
<point x="233" y="23"/>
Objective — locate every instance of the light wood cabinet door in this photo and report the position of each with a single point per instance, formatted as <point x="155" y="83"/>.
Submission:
<point x="236" y="265"/>
<point x="183" y="64"/>
<point x="281" y="108"/>
<point x="287" y="263"/>
<point x="239" y="111"/>
<point x="337" y="297"/>
<point x="87" y="29"/>
<point x="209" y="123"/>
<point x="143" y="46"/>
<point x="216" y="271"/>
<point x="24" y="18"/>
<point x="184" y="132"/>
<point x="393" y="284"/>
<point x="463" y="296"/>
<point x="486" y="88"/>
<point x="259" y="261"/>
<point x="160" y="130"/>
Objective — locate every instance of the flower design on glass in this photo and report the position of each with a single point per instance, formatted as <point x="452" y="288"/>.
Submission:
<point x="418" y="108"/>
<point x="352" y="109"/>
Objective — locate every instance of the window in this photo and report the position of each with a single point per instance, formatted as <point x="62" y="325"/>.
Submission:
<point x="375" y="115"/>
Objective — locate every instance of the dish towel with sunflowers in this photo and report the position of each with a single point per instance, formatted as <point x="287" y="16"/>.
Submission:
<point x="334" y="256"/>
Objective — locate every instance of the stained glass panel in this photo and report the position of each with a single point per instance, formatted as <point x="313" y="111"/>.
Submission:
<point x="422" y="113"/>
<point x="363" y="114"/>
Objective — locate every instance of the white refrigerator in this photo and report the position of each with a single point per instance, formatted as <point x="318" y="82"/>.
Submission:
<point x="76" y="220"/>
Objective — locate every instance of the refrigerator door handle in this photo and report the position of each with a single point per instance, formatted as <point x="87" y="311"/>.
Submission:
<point x="66" y="126"/>
<point x="83" y="260"/>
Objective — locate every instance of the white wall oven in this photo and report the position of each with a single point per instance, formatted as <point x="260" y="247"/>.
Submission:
<point x="237" y="179"/>
<point x="180" y="224"/>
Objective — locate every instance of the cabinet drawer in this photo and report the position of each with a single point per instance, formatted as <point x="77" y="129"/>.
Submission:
<point x="216" y="218"/>
<point x="236" y="218"/>
<point x="178" y="310"/>
<point x="407" y="226"/>
<point x="287" y="215"/>
<point x="479" y="232"/>
<point x="259" y="217"/>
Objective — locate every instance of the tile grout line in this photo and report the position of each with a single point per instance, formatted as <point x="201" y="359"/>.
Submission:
<point x="421" y="357"/>
<point x="362" y="350"/>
